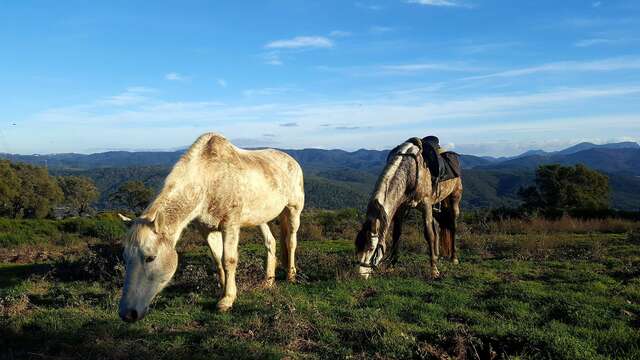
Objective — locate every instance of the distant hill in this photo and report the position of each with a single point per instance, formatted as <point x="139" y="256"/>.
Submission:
<point x="587" y="146"/>
<point x="626" y="160"/>
<point x="337" y="178"/>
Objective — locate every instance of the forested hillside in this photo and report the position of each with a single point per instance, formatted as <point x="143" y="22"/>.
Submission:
<point x="338" y="179"/>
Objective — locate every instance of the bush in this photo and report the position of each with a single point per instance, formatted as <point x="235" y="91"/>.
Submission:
<point x="27" y="232"/>
<point x="109" y="230"/>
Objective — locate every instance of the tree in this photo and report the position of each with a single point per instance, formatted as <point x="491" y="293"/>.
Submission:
<point x="37" y="193"/>
<point x="9" y="185"/>
<point x="566" y="187"/>
<point x="79" y="192"/>
<point x="134" y="195"/>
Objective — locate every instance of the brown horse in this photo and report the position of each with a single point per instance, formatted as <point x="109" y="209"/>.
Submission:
<point x="406" y="183"/>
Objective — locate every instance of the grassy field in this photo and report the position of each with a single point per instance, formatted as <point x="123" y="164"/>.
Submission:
<point x="515" y="295"/>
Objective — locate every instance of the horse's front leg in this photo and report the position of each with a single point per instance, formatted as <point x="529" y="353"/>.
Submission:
<point x="270" y="244"/>
<point x="230" y="237"/>
<point x="429" y="236"/>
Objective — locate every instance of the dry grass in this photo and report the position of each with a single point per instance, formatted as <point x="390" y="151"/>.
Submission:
<point x="565" y="224"/>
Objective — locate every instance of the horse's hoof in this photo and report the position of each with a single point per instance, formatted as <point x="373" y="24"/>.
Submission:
<point x="268" y="283"/>
<point x="456" y="262"/>
<point x="435" y="273"/>
<point x="291" y="276"/>
<point x="225" y="304"/>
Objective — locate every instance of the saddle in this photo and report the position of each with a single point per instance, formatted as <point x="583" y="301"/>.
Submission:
<point x="442" y="166"/>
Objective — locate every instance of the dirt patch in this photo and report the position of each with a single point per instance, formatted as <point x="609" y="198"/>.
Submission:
<point x="39" y="254"/>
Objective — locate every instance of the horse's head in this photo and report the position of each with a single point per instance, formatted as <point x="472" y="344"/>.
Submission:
<point x="150" y="261"/>
<point x="369" y="247"/>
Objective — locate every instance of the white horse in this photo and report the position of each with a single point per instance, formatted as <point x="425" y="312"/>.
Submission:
<point x="222" y="188"/>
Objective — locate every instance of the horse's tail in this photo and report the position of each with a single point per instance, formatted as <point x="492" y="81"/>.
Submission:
<point x="447" y="225"/>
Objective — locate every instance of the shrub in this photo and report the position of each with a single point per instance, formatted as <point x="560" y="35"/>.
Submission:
<point x="27" y="232"/>
<point x="109" y="230"/>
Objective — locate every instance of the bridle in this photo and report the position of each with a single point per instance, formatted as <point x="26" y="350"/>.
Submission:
<point x="377" y="255"/>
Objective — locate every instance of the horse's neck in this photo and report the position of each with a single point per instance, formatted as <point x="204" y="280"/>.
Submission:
<point x="178" y="206"/>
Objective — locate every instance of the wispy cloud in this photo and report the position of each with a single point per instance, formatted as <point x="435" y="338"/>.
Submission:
<point x="105" y="124"/>
<point x="446" y="3"/>
<point x="268" y="91"/>
<point x="132" y="95"/>
<point x="373" y="7"/>
<point x="174" y="76"/>
<point x="596" y="4"/>
<point x="301" y="42"/>
<point x="272" y="58"/>
<point x="222" y="83"/>
<point x="401" y="69"/>
<point x="422" y="67"/>
<point x="486" y="47"/>
<point x="339" y="33"/>
<point x="380" y="29"/>
<point x="290" y="124"/>
<point x="611" y="64"/>
<point x="597" y="41"/>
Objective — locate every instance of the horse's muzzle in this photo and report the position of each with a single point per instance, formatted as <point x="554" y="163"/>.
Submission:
<point x="132" y="315"/>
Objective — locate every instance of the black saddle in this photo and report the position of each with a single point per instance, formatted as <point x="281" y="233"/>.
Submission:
<point x="445" y="166"/>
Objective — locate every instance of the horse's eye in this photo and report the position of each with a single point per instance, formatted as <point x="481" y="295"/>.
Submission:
<point x="149" y="259"/>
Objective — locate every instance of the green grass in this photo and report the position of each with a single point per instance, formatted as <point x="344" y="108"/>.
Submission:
<point x="578" y="298"/>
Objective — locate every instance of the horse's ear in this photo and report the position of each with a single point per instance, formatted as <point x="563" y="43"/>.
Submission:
<point x="158" y="222"/>
<point x="125" y="218"/>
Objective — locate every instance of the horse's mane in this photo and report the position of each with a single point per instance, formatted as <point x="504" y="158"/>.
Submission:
<point x="375" y="209"/>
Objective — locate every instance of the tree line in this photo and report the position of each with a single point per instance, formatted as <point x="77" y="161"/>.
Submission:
<point x="30" y="192"/>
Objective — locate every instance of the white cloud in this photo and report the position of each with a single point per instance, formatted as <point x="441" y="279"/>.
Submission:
<point x="373" y="7"/>
<point x="174" y="76"/>
<point x="486" y="47"/>
<point x="222" y="83"/>
<point x="132" y="95"/>
<point x="301" y="42"/>
<point x="380" y="29"/>
<point x="339" y="33"/>
<point x="379" y="121"/>
<point x="421" y="67"/>
<point x="268" y="91"/>
<point x="596" y="41"/>
<point x="447" y="3"/>
<point x="611" y="64"/>
<point x="272" y="58"/>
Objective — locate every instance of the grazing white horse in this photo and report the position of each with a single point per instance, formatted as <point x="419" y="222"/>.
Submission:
<point x="222" y="188"/>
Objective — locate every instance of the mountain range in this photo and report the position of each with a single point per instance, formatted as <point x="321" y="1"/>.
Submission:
<point x="338" y="178"/>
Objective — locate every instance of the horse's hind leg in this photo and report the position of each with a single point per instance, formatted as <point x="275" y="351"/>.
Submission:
<point x="456" y="196"/>
<point x="270" y="244"/>
<point x="429" y="236"/>
<point x="214" y="239"/>
<point x="290" y="222"/>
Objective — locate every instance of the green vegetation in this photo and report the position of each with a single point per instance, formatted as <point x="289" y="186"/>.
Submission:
<point x="27" y="191"/>
<point x="79" y="192"/>
<point x="566" y="187"/>
<point x="565" y="289"/>
<point x="15" y="233"/>
<point x="133" y="195"/>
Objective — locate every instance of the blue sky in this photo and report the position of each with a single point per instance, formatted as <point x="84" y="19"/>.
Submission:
<point x="488" y="77"/>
